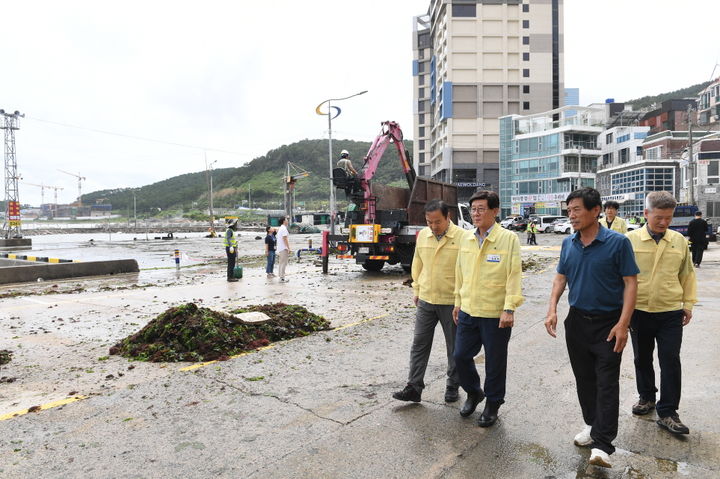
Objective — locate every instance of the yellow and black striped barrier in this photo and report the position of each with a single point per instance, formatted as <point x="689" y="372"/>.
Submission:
<point x="39" y="259"/>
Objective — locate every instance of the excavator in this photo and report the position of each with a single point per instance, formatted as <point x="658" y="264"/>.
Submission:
<point x="382" y="222"/>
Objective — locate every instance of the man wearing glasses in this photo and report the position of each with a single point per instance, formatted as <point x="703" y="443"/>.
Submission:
<point x="487" y="293"/>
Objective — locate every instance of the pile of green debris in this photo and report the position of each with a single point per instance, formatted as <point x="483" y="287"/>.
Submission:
<point x="192" y="333"/>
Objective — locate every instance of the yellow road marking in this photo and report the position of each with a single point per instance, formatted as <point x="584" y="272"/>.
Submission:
<point x="207" y="363"/>
<point x="359" y="322"/>
<point x="49" y="405"/>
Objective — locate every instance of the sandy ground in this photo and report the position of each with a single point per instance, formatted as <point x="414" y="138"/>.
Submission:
<point x="318" y="406"/>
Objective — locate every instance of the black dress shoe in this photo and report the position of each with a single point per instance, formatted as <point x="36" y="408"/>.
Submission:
<point x="451" y="394"/>
<point x="407" y="394"/>
<point x="473" y="399"/>
<point x="489" y="414"/>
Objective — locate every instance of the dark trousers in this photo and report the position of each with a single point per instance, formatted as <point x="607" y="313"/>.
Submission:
<point x="473" y="334"/>
<point x="666" y="328"/>
<point x="697" y="249"/>
<point x="597" y="373"/>
<point x="426" y="318"/>
<point x="231" y="261"/>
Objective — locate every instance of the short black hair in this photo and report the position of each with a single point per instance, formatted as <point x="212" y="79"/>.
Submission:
<point x="698" y="213"/>
<point x="434" y="205"/>
<point x="282" y="221"/>
<point x="267" y="229"/>
<point x="590" y="197"/>
<point x="492" y="198"/>
<point x="611" y="204"/>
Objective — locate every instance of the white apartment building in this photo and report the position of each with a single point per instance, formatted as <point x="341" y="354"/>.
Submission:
<point x="624" y="174"/>
<point x="708" y="106"/>
<point x="475" y="61"/>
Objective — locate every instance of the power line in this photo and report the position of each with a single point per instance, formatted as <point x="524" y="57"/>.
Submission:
<point x="133" y="137"/>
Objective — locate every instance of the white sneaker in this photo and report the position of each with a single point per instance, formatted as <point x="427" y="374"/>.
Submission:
<point x="583" y="439"/>
<point x="599" y="458"/>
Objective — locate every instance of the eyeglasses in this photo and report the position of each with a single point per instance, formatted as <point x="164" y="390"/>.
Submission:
<point x="478" y="210"/>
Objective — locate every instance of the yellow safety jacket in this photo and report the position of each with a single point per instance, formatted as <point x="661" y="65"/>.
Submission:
<point x="433" y="265"/>
<point x="230" y="241"/>
<point x="618" y="224"/>
<point x="667" y="278"/>
<point x="488" y="278"/>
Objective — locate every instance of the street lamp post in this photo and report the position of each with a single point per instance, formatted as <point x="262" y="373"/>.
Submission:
<point x="330" y="153"/>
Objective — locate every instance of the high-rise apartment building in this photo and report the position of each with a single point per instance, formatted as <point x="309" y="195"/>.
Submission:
<point x="475" y="61"/>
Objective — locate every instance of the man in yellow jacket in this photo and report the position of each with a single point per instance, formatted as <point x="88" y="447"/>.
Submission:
<point x="611" y="220"/>
<point x="667" y="291"/>
<point x="487" y="293"/>
<point x="433" y="274"/>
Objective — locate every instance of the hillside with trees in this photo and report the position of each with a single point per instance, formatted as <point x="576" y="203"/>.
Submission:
<point x="646" y="102"/>
<point x="261" y="178"/>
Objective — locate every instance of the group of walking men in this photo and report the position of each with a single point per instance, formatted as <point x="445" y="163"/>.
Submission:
<point x="641" y="284"/>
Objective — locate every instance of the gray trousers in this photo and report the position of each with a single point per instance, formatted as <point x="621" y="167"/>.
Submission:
<point x="426" y="318"/>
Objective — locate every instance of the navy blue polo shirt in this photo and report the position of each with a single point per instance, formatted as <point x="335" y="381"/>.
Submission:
<point x="595" y="272"/>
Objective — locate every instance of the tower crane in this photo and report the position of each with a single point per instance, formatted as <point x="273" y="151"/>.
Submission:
<point x="42" y="193"/>
<point x="80" y="180"/>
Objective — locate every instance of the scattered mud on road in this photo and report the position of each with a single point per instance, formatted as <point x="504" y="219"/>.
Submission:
<point x="192" y="333"/>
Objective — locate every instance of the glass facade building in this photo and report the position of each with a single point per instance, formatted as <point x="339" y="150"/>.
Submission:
<point x="544" y="157"/>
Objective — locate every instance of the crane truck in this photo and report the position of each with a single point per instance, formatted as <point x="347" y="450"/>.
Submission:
<point x="382" y="222"/>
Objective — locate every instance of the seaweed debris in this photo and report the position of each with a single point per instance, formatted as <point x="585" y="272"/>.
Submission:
<point x="5" y="356"/>
<point x="192" y="333"/>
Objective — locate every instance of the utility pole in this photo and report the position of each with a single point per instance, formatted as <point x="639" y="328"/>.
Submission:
<point x="11" y="226"/>
<point x="691" y="163"/>
<point x="135" y="209"/>
<point x="208" y="175"/>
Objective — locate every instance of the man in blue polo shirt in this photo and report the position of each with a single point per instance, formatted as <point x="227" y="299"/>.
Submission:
<point x="599" y="267"/>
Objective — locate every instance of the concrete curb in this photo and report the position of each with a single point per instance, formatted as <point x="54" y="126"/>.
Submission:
<point x="66" y="269"/>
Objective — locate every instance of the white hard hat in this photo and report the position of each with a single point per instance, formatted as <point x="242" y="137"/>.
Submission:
<point x="344" y="152"/>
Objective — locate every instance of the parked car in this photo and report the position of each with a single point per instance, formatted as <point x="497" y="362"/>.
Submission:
<point x="505" y="223"/>
<point x="633" y="226"/>
<point x="545" y="223"/>
<point x="518" y="224"/>
<point x="563" y="227"/>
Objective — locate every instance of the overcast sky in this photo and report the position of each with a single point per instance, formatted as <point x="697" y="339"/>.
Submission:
<point x="245" y="77"/>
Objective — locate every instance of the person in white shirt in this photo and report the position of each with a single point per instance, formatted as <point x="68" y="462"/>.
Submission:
<point x="283" y="248"/>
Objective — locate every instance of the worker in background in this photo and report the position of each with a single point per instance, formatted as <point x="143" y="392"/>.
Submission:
<point x="345" y="163"/>
<point x="433" y="274"/>
<point x="487" y="292"/>
<point x="532" y="231"/>
<point x="598" y="266"/>
<point x="230" y="242"/>
<point x="283" y="248"/>
<point x="667" y="291"/>
<point x="611" y="220"/>
<point x="270" y="244"/>
<point x="697" y="229"/>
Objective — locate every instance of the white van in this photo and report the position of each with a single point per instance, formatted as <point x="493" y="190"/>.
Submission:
<point x="544" y="223"/>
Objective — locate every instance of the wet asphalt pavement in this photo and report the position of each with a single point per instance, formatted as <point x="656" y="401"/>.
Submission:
<point x="318" y="406"/>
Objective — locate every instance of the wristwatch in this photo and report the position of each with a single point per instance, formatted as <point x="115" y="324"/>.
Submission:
<point x="509" y="311"/>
